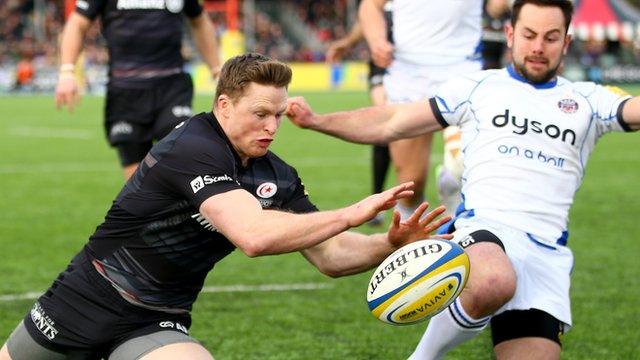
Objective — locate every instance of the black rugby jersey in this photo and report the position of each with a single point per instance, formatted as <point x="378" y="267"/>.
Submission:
<point x="154" y="246"/>
<point x="144" y="37"/>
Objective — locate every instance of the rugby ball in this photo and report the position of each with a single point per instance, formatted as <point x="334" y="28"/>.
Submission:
<point x="417" y="281"/>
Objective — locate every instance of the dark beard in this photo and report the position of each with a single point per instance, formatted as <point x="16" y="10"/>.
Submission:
<point x="536" y="79"/>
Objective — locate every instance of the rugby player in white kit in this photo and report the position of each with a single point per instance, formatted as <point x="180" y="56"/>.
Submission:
<point x="527" y="134"/>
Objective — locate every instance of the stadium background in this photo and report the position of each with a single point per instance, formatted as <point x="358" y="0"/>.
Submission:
<point x="607" y="50"/>
<point x="57" y="178"/>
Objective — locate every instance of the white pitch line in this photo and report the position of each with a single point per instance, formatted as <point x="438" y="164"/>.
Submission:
<point x="32" y="295"/>
<point x="44" y="132"/>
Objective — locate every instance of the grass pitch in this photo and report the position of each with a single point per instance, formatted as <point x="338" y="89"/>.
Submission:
<point x="58" y="177"/>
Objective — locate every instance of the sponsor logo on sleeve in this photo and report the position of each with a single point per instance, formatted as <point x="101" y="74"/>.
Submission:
<point x="201" y="181"/>
<point x="266" y="190"/>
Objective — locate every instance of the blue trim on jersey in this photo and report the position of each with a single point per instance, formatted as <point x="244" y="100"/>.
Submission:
<point x="548" y="85"/>
<point x="564" y="238"/>
<point x="539" y="243"/>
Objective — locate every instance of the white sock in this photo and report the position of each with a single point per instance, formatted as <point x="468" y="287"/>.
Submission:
<point x="405" y="211"/>
<point x="448" y="329"/>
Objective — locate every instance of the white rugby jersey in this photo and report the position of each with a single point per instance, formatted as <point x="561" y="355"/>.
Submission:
<point x="526" y="146"/>
<point x="427" y="32"/>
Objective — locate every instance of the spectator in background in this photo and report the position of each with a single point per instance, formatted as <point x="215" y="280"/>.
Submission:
<point x="148" y="92"/>
<point x="24" y="73"/>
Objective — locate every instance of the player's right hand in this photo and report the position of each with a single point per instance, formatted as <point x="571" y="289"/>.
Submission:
<point x="299" y="112"/>
<point x="382" y="53"/>
<point x="367" y="208"/>
<point x="67" y="92"/>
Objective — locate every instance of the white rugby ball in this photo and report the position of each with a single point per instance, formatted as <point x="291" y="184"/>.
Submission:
<point x="417" y="281"/>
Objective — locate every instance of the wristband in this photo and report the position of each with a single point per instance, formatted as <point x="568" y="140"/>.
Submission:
<point x="67" y="68"/>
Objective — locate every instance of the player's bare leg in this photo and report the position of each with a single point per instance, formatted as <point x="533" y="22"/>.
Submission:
<point x="449" y="174"/>
<point x="492" y="283"/>
<point x="411" y="161"/>
<point x="528" y="348"/>
<point x="380" y="155"/>
<point x="191" y="351"/>
<point x="4" y="353"/>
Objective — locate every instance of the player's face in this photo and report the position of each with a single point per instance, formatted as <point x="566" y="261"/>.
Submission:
<point x="252" y="120"/>
<point x="538" y="42"/>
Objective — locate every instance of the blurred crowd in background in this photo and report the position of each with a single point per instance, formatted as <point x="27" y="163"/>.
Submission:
<point x="293" y="30"/>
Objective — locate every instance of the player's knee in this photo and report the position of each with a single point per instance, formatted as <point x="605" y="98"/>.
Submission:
<point x="492" y="281"/>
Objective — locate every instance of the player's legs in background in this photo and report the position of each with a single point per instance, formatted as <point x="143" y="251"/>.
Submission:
<point x="411" y="161"/>
<point x="449" y="174"/>
<point x="381" y="158"/>
<point x="491" y="284"/>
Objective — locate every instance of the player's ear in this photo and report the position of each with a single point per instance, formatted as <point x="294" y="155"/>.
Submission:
<point x="508" y="32"/>
<point x="223" y="104"/>
<point x="567" y="41"/>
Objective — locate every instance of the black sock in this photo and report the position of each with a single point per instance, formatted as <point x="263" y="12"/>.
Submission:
<point x="381" y="161"/>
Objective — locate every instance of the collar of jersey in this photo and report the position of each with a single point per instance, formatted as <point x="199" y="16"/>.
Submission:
<point x="547" y="85"/>
<point x="223" y="135"/>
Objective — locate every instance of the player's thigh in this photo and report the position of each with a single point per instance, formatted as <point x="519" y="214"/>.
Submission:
<point x="528" y="348"/>
<point x="191" y="351"/>
<point x="411" y="156"/>
<point x="4" y="353"/>
<point x="165" y="344"/>
<point x="21" y="346"/>
<point x="377" y="95"/>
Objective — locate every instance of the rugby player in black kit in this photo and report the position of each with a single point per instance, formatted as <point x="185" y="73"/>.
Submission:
<point x="148" y="92"/>
<point x="208" y="187"/>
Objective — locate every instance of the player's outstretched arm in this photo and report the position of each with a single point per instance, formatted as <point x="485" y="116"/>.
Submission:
<point x="240" y="218"/>
<point x="631" y="113"/>
<point x="370" y="125"/>
<point x="72" y="37"/>
<point x="351" y="253"/>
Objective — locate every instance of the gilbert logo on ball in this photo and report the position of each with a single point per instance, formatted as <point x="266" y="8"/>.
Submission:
<point x="417" y="281"/>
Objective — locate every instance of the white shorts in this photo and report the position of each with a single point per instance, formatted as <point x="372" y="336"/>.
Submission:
<point x="543" y="272"/>
<point x="406" y="82"/>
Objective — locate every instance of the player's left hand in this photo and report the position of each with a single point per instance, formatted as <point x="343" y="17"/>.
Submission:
<point x="417" y="226"/>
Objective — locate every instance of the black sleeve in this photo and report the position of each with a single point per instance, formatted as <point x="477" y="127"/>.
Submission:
<point x="192" y="8"/>
<point x="90" y="8"/>
<point x="198" y="168"/>
<point x="299" y="201"/>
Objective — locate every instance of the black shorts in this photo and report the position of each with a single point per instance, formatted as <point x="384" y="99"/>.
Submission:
<point x="376" y="74"/>
<point x="142" y="116"/>
<point x="83" y="316"/>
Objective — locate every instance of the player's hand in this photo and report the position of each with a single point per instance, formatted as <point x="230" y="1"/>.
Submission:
<point x="417" y="226"/>
<point x="299" y="112"/>
<point x="382" y="53"/>
<point x="336" y="51"/>
<point x="67" y="92"/>
<point x="366" y="209"/>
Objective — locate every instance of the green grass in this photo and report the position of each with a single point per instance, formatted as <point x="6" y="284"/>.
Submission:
<point x="58" y="177"/>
